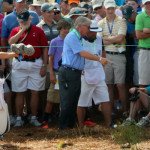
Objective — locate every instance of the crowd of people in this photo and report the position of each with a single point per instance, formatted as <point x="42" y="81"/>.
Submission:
<point x="85" y="52"/>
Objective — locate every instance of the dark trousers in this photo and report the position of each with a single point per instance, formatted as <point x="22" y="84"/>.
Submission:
<point x="70" y="87"/>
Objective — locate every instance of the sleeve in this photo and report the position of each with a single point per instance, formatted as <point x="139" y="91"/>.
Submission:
<point x="139" y="23"/>
<point x="52" y="48"/>
<point x="74" y="43"/>
<point x="5" y="31"/>
<point x="100" y="23"/>
<point x="43" y="38"/>
<point x="13" y="32"/>
<point x="123" y="27"/>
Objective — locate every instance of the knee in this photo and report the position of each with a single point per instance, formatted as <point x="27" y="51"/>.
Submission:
<point x="120" y="86"/>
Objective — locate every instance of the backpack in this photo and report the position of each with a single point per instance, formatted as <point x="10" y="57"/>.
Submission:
<point x="4" y="115"/>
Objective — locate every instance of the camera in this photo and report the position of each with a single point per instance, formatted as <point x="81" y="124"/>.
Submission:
<point x="134" y="97"/>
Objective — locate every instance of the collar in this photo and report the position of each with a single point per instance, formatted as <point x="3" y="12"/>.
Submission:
<point x="42" y="22"/>
<point x="116" y="18"/>
<point x="60" y="38"/>
<point x="77" y="33"/>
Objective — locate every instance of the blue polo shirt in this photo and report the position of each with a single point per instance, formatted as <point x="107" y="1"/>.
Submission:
<point x="10" y="21"/>
<point x="72" y="47"/>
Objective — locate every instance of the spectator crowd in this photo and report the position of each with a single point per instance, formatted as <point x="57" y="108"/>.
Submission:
<point x="89" y="52"/>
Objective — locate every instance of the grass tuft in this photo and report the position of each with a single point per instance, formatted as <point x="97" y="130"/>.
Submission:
<point x="128" y="134"/>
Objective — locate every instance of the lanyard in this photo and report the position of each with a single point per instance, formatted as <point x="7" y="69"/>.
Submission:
<point x="110" y="28"/>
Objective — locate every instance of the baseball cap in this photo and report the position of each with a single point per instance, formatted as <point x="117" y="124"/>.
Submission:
<point x="47" y="7"/>
<point x="94" y="27"/>
<point x="144" y="1"/>
<point x="77" y="11"/>
<point x="38" y="2"/>
<point x="24" y="15"/>
<point x="109" y="3"/>
<point x="127" y="11"/>
<point x="18" y="1"/>
<point x="97" y="3"/>
<point x="73" y="1"/>
<point x="84" y="5"/>
<point x="56" y="6"/>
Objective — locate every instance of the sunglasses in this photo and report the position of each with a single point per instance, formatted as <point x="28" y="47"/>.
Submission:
<point x="48" y="12"/>
<point x="98" y="8"/>
<point x="56" y="12"/>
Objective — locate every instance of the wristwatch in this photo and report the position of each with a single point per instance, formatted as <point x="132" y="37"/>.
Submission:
<point x="44" y="65"/>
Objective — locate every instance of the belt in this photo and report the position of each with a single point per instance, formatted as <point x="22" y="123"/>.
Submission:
<point x="70" y="68"/>
<point x="28" y="59"/>
<point x="114" y="53"/>
<point x="143" y="48"/>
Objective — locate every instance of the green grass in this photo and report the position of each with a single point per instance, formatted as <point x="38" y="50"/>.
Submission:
<point x="129" y="134"/>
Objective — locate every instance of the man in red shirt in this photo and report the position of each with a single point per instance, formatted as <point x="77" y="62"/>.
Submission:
<point x="29" y="72"/>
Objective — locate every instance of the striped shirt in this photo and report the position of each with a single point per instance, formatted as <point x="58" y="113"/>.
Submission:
<point x="117" y="27"/>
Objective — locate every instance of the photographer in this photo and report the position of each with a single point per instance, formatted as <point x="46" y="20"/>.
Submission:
<point x="139" y="98"/>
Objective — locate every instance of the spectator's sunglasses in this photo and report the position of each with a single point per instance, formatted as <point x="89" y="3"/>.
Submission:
<point x="56" y="12"/>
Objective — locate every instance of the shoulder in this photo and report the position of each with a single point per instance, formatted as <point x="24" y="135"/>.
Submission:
<point x="140" y="15"/>
<point x="10" y="16"/>
<point x="118" y="18"/>
<point x="54" y="41"/>
<point x="15" y="30"/>
<point x="70" y="36"/>
<point x="40" y="24"/>
<point x="1" y="16"/>
<point x="102" y="21"/>
<point x="34" y="27"/>
<point x="33" y="13"/>
<point x="98" y="38"/>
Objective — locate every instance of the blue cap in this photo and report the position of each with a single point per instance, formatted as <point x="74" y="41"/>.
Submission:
<point x="24" y="15"/>
<point x="47" y="7"/>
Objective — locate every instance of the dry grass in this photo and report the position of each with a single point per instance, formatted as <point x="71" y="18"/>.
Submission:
<point x="36" y="138"/>
<point x="29" y="138"/>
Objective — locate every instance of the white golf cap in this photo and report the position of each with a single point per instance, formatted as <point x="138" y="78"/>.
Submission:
<point x="94" y="27"/>
<point x="109" y="3"/>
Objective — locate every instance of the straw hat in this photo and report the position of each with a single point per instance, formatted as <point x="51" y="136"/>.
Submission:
<point x="38" y="2"/>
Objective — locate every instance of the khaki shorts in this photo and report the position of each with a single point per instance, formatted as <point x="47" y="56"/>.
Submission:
<point x="53" y="94"/>
<point x="115" y="71"/>
<point x="144" y="71"/>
